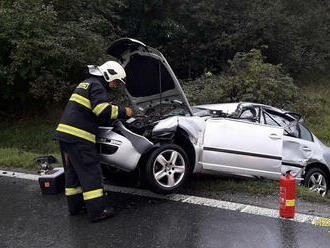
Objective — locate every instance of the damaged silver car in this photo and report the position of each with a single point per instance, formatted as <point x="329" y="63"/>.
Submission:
<point x="168" y="139"/>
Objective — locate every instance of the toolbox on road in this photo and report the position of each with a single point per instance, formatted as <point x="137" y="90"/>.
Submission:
<point x="53" y="181"/>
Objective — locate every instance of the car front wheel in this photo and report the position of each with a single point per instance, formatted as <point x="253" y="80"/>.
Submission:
<point x="317" y="181"/>
<point x="166" y="168"/>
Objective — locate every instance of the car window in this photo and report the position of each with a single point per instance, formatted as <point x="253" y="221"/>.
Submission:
<point x="276" y="120"/>
<point x="249" y="114"/>
<point x="270" y="121"/>
<point x="305" y="133"/>
<point x="281" y="121"/>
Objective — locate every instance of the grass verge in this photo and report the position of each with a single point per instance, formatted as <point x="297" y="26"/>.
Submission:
<point x="13" y="157"/>
<point x="27" y="138"/>
<point x="33" y="134"/>
<point x="209" y="183"/>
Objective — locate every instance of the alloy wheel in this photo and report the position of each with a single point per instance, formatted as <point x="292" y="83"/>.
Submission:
<point x="317" y="183"/>
<point x="169" y="168"/>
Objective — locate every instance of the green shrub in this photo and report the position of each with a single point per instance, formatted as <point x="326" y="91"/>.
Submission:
<point x="43" y="56"/>
<point x="250" y="79"/>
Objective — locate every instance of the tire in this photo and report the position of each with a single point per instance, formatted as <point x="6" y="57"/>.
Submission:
<point x="316" y="180"/>
<point x="163" y="175"/>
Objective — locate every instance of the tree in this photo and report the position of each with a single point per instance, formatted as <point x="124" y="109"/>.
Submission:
<point x="43" y="55"/>
<point x="250" y="79"/>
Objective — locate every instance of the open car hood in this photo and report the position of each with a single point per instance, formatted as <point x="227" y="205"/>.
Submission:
<point x="150" y="81"/>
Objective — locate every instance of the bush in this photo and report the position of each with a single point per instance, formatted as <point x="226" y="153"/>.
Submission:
<point x="250" y="79"/>
<point x="43" y="56"/>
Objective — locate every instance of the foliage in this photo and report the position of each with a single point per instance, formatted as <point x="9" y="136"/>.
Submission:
<point x="250" y="79"/>
<point x="45" y="45"/>
<point x="41" y="55"/>
<point x="320" y="122"/>
<point x="200" y="36"/>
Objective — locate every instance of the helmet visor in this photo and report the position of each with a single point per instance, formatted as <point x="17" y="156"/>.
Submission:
<point x="94" y="70"/>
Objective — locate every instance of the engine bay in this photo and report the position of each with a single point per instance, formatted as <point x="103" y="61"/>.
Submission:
<point x="143" y="124"/>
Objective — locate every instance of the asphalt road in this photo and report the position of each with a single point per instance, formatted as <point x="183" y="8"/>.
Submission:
<point x="30" y="219"/>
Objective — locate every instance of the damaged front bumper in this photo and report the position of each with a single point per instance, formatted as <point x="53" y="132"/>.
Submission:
<point x="123" y="150"/>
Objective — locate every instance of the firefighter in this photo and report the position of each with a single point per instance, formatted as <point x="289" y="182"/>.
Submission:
<point x="87" y="109"/>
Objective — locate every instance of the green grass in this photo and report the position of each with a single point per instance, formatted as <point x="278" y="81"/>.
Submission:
<point x="305" y="194"/>
<point x="217" y="184"/>
<point x="24" y="139"/>
<point x="30" y="135"/>
<point x="13" y="157"/>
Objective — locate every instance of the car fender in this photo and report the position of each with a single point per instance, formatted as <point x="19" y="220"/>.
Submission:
<point x="193" y="126"/>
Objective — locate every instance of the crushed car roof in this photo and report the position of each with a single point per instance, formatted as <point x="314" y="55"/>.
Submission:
<point x="231" y="108"/>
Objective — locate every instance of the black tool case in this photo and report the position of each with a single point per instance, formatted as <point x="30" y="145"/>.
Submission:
<point x="52" y="182"/>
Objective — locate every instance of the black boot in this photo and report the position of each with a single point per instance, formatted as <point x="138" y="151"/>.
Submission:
<point x="108" y="212"/>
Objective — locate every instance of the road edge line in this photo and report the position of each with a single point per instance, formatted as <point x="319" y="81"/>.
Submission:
<point x="189" y="199"/>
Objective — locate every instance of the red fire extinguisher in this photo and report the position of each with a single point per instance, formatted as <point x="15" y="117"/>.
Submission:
<point x="287" y="195"/>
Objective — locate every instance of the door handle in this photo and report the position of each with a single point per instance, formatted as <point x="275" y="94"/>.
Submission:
<point x="274" y="136"/>
<point x="306" y="149"/>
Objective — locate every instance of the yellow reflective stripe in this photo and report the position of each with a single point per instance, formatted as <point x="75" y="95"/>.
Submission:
<point x="99" y="108"/>
<point x="80" y="99"/>
<point x="290" y="203"/>
<point x="83" y="85"/>
<point x="73" y="191"/>
<point x="114" y="112"/>
<point x="76" y="132"/>
<point x="93" y="194"/>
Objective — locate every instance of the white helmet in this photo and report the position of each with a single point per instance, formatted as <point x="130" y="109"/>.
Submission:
<point x="110" y="70"/>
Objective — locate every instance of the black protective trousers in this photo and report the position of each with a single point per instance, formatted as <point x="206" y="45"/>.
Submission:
<point x="83" y="178"/>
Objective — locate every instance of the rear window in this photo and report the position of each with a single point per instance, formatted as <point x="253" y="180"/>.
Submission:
<point x="305" y="133"/>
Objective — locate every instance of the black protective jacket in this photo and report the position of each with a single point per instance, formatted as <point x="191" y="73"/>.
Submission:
<point x="87" y="109"/>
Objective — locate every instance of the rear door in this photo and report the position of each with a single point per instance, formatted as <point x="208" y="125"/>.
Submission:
<point x="298" y="143"/>
<point x="242" y="148"/>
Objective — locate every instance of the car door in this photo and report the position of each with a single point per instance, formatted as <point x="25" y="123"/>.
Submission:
<point x="298" y="143"/>
<point x="242" y="148"/>
<point x="298" y="151"/>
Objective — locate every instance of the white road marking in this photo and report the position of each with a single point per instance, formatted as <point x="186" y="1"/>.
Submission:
<point x="243" y="208"/>
<point x="19" y="175"/>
